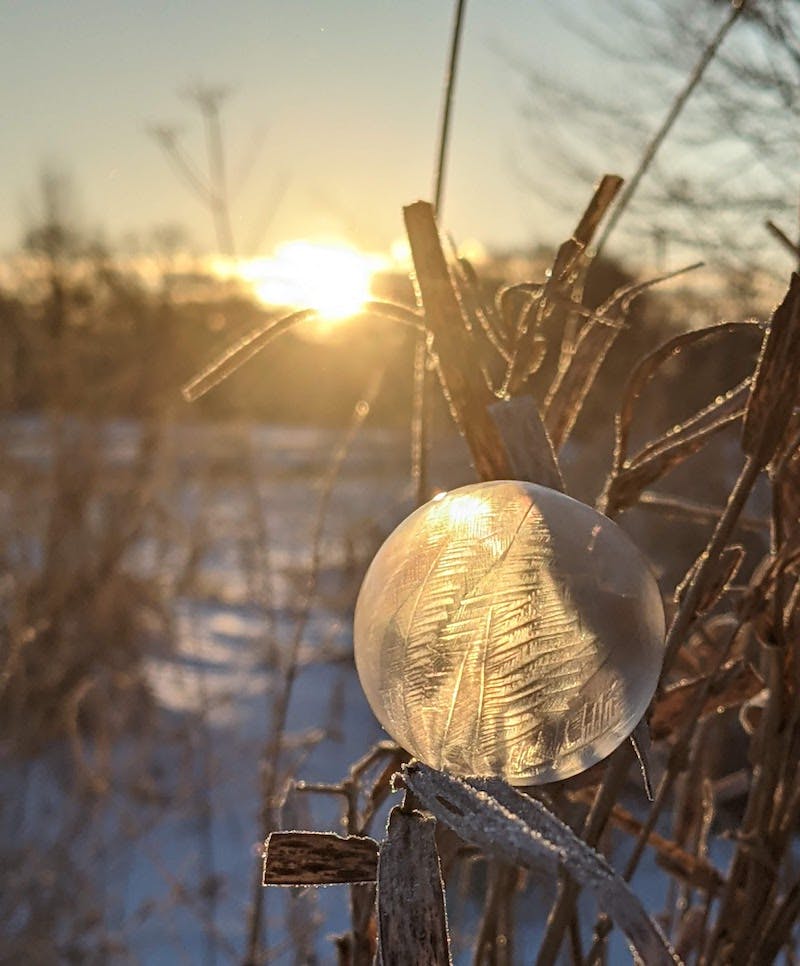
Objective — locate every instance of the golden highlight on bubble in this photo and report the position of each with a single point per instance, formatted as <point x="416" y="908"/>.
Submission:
<point x="506" y="629"/>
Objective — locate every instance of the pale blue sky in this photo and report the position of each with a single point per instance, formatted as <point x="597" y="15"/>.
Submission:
<point x="342" y="98"/>
<point x="345" y="95"/>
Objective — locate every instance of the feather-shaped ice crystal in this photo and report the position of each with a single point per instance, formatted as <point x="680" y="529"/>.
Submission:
<point x="506" y="629"/>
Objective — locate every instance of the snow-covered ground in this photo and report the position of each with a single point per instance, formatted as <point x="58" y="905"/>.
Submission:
<point x="165" y="855"/>
<point x="157" y="865"/>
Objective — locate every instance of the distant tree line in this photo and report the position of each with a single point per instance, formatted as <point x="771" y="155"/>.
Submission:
<point x="90" y="337"/>
<point x="82" y="333"/>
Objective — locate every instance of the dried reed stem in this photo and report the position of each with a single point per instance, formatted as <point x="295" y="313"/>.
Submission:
<point x="422" y="401"/>
<point x="708" y="54"/>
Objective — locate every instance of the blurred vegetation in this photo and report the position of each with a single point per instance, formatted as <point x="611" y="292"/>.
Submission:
<point x="86" y="342"/>
<point x="83" y="333"/>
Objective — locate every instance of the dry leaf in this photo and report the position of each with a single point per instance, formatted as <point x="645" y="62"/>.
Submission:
<point x="733" y="684"/>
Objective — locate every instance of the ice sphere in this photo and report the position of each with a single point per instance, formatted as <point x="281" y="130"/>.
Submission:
<point x="506" y="629"/>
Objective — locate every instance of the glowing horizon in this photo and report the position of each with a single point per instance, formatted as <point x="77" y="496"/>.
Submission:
<point x="332" y="277"/>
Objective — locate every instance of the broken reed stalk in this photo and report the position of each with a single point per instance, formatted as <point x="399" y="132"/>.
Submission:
<point x="313" y="858"/>
<point x="319" y="858"/>
<point x="412" y="921"/>
<point x="460" y="373"/>
<point x="565" y="277"/>
<point x="506" y="437"/>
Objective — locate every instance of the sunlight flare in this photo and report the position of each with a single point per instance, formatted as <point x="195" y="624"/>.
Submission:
<point x="332" y="277"/>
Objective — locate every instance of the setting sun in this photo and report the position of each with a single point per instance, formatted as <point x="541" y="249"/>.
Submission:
<point x="333" y="278"/>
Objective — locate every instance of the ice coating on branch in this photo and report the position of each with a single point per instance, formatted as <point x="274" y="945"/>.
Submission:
<point x="506" y="629"/>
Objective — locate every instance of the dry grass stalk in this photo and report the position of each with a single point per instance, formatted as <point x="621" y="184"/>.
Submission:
<point x="692" y="870"/>
<point x="558" y="302"/>
<point x="707" y="55"/>
<point x="630" y="475"/>
<point x="777" y="232"/>
<point x="583" y="357"/>
<point x="733" y="684"/>
<point x="412" y="922"/>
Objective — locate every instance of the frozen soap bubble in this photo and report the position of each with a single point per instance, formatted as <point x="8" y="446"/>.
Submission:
<point x="506" y="629"/>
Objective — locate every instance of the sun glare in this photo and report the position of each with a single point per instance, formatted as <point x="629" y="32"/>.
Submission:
<point x="332" y="278"/>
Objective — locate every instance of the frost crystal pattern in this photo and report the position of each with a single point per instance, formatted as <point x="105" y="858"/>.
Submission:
<point x="506" y="629"/>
